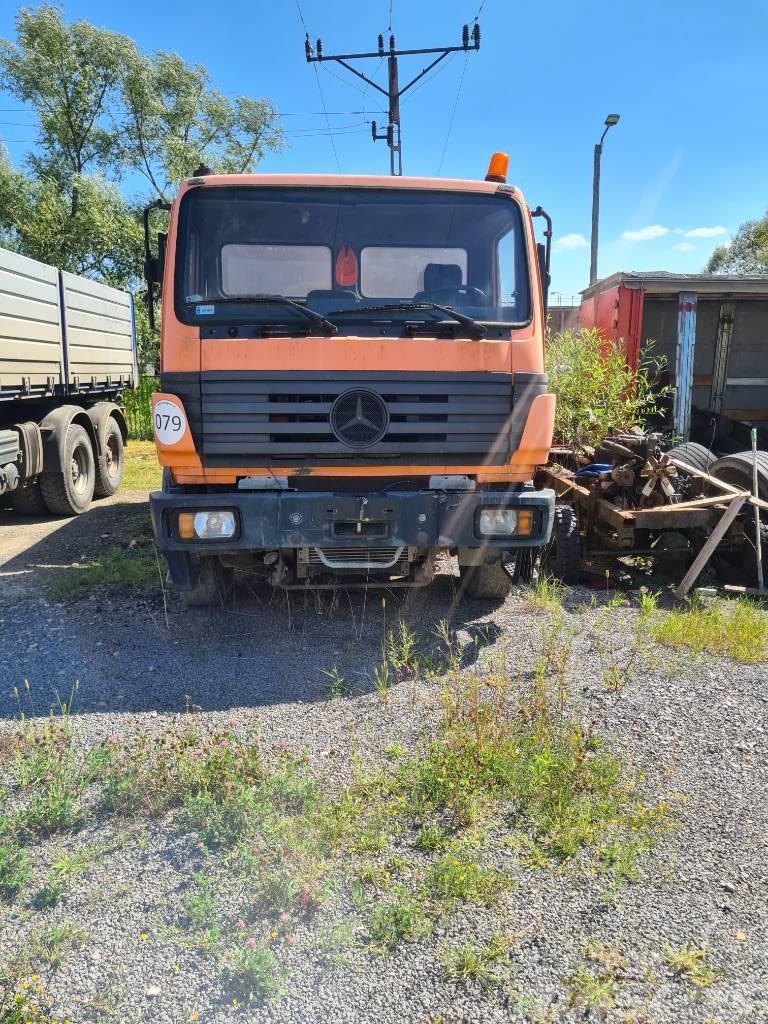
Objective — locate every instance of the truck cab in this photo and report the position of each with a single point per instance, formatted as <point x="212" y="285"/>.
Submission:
<point x="352" y="382"/>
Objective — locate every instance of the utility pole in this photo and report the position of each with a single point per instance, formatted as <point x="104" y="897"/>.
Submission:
<point x="610" y="121"/>
<point x="470" y="40"/>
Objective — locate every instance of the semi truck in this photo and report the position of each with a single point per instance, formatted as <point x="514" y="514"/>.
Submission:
<point x="67" y="351"/>
<point x="351" y="382"/>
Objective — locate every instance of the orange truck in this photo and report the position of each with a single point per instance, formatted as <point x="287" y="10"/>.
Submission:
<point x="351" y="382"/>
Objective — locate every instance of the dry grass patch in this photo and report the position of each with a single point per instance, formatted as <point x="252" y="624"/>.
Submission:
<point x="738" y="629"/>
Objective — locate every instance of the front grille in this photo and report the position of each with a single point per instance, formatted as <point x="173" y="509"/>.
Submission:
<point x="374" y="418"/>
<point x="365" y="558"/>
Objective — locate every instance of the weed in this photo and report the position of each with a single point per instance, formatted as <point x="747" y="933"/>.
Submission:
<point x="738" y="629"/>
<point x="432" y="837"/>
<point x="15" y="867"/>
<point x="53" y="945"/>
<point x="692" y="964"/>
<point x="133" y="567"/>
<point x="547" y="594"/>
<point x="480" y="964"/>
<point x="201" y="906"/>
<point x="592" y="990"/>
<point x="48" y="766"/>
<point x="63" y="872"/>
<point x="454" y="879"/>
<point x="254" y="972"/>
<point x="649" y="602"/>
<point x="609" y="957"/>
<point x="403" y="920"/>
<point x="337" y="685"/>
<point x="332" y="941"/>
<point x="23" y="1001"/>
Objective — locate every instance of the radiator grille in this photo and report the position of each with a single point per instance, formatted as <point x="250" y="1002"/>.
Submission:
<point x="432" y="417"/>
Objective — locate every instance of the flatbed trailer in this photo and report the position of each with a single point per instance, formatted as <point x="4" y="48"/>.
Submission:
<point x="67" y="352"/>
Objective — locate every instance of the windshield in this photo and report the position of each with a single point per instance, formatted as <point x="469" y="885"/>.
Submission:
<point x="347" y="251"/>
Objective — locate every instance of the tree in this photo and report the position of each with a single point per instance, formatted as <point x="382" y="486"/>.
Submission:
<point x="746" y="253"/>
<point x="175" y="121"/>
<point x="104" y="109"/>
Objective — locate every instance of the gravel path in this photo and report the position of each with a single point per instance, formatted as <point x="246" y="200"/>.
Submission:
<point x="695" y="728"/>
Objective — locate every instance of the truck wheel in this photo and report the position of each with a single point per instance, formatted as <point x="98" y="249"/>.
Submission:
<point x="110" y="466"/>
<point x="27" y="500"/>
<point x="214" y="584"/>
<point x="485" y="582"/>
<point x="69" y="491"/>
<point x="562" y="556"/>
<point x="696" y="455"/>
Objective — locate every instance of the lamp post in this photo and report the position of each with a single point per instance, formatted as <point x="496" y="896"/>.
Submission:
<point x="610" y="121"/>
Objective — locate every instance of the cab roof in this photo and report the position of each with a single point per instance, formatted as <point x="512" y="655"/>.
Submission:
<point x="351" y="181"/>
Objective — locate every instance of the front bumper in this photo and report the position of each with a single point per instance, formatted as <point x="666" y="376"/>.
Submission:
<point x="279" y="520"/>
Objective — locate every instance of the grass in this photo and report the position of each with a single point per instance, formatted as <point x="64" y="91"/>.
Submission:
<point x="592" y="990"/>
<point x="547" y="594"/>
<point x="15" y="867"/>
<point x="738" y="629"/>
<point x="482" y="965"/>
<point x="402" y="920"/>
<point x="142" y="470"/>
<point x="269" y="840"/>
<point x="52" y="946"/>
<point x="133" y="566"/>
<point x="253" y="971"/>
<point x="692" y="963"/>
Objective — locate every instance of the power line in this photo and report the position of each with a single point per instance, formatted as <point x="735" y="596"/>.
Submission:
<point x="470" y="40"/>
<point x="319" y="89"/>
<point x="453" y="115"/>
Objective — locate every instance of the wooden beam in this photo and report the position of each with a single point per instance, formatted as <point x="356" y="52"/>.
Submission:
<point x="713" y="540"/>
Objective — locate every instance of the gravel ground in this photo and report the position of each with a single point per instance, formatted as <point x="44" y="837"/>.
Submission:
<point x="695" y="728"/>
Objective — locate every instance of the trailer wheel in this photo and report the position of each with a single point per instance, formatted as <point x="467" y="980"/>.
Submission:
<point x="69" y="491"/>
<point x="110" y="465"/>
<point x="485" y="582"/>
<point x="696" y="455"/>
<point x="562" y="556"/>
<point x="27" y="500"/>
<point x="214" y="585"/>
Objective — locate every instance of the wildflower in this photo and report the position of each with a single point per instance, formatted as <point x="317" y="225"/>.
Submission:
<point x="143" y="936"/>
<point x="291" y="940"/>
<point x="240" y="925"/>
<point x="251" y="943"/>
<point x="285" y="917"/>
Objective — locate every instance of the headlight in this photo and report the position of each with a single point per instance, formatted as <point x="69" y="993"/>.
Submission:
<point x="206" y="525"/>
<point x="497" y="522"/>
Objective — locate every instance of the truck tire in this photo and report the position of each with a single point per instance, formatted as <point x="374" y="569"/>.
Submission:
<point x="27" y="500"/>
<point x="485" y="582"/>
<point x="562" y="556"/>
<point x="110" y="465"/>
<point x="696" y="455"/>
<point x="214" y="585"/>
<point x="69" y="491"/>
<point x="737" y="470"/>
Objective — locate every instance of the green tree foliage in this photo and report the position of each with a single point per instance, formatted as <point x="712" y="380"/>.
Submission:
<point x="105" y="110"/>
<point x="597" y="392"/>
<point x="746" y="253"/>
<point x="175" y="121"/>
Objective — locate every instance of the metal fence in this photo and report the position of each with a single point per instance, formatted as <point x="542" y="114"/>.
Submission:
<point x="137" y="404"/>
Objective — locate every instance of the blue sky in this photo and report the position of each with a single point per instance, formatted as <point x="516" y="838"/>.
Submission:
<point x="687" y="163"/>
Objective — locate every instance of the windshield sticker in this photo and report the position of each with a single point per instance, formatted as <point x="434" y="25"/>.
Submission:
<point x="194" y="298"/>
<point x="205" y="310"/>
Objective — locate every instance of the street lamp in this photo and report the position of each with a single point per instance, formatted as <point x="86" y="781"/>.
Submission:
<point x="610" y="121"/>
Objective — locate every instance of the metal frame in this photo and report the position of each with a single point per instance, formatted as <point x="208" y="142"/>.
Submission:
<point x="686" y="348"/>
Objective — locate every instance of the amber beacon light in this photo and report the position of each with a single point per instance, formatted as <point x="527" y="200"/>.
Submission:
<point x="497" y="168"/>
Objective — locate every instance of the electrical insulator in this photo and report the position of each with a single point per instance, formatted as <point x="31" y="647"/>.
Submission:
<point x="373" y="130"/>
<point x="465" y="36"/>
<point x="476" y="35"/>
<point x="308" y="48"/>
<point x="381" y="44"/>
<point x="390" y="135"/>
<point x="319" y="49"/>
<point x="391" y="42"/>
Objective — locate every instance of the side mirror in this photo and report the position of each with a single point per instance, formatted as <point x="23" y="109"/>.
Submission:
<point x="541" y="251"/>
<point x="153" y="264"/>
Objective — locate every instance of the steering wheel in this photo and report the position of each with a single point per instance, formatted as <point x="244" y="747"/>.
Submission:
<point x="444" y="296"/>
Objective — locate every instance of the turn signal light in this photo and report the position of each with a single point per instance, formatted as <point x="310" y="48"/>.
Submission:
<point x="524" y="521"/>
<point x="497" y="168"/>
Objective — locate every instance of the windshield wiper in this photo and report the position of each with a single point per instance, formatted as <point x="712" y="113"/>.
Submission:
<point x="474" y="328"/>
<point x="269" y="300"/>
